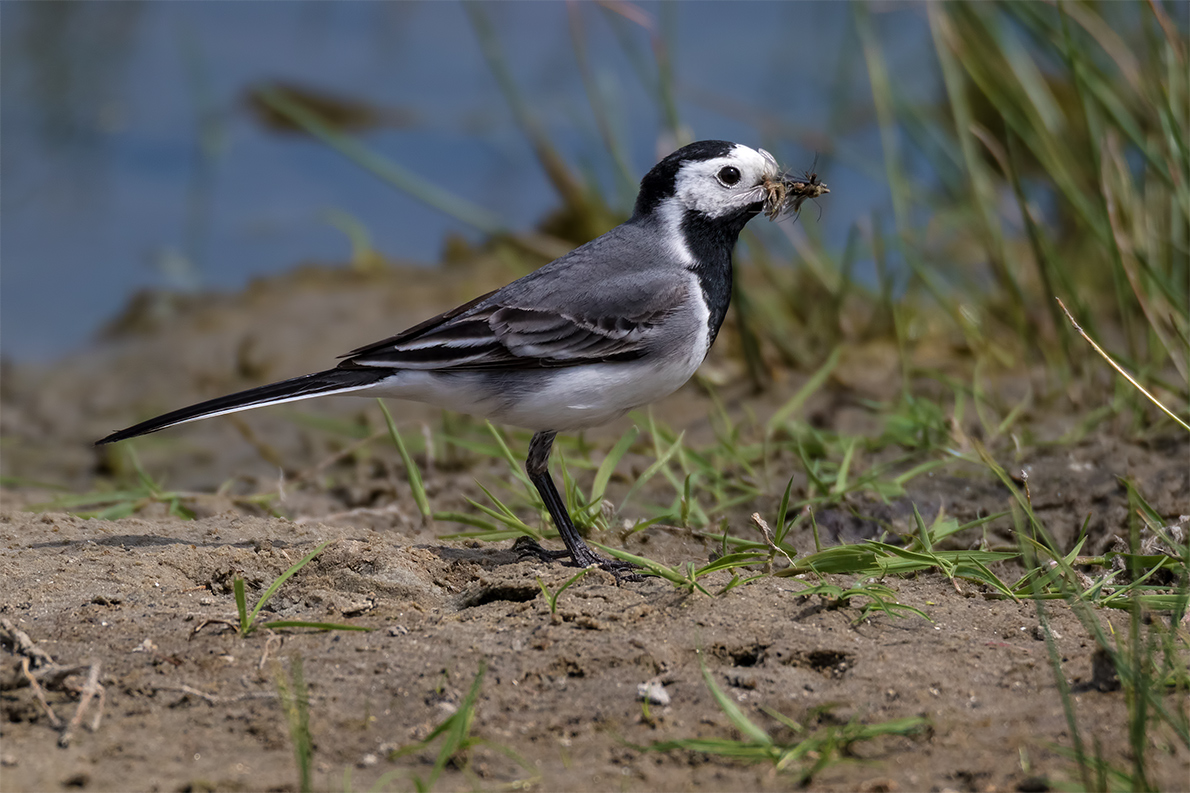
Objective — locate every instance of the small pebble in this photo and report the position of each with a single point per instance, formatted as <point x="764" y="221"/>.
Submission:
<point x="653" y="692"/>
<point x="147" y="646"/>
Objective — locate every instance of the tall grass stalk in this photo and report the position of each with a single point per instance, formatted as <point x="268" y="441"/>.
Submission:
<point x="295" y="704"/>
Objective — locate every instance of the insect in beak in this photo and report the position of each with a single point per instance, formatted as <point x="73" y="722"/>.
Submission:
<point x="786" y="193"/>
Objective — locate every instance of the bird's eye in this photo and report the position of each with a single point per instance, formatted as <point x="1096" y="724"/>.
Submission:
<point x="729" y="175"/>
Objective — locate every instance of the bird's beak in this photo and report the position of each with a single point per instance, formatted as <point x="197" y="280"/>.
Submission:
<point x="774" y="168"/>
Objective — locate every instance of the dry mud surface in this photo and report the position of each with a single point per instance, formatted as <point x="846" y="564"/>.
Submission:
<point x="190" y="705"/>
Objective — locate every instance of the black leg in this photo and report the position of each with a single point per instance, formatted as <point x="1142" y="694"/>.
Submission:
<point x="537" y="466"/>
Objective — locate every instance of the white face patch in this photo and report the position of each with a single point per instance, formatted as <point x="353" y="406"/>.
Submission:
<point x="711" y="186"/>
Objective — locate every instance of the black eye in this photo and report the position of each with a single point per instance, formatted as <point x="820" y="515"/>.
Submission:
<point x="729" y="175"/>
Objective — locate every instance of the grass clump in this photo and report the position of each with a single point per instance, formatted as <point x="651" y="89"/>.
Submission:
<point x="1149" y="662"/>
<point x="248" y="620"/>
<point x="807" y="754"/>
<point x="142" y="493"/>
<point x="455" y="740"/>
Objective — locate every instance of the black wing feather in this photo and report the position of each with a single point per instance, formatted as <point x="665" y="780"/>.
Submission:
<point x="486" y="335"/>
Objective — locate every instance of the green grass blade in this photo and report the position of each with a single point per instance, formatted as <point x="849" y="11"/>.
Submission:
<point x="237" y="588"/>
<point x="552" y="597"/>
<point x="141" y="474"/>
<point x="457" y="732"/>
<point x="92" y="499"/>
<point x="415" y="481"/>
<point x="281" y="579"/>
<point x="295" y="702"/>
<point x="783" y="514"/>
<point x="840" y="486"/>
<point x="608" y="466"/>
<point x="118" y="511"/>
<point x="922" y="532"/>
<point x="515" y="465"/>
<point x="652" y="470"/>
<point x="574" y="579"/>
<point x="730" y="561"/>
<point x="730" y="709"/>
<point x="671" y="574"/>
<point x="808" y="389"/>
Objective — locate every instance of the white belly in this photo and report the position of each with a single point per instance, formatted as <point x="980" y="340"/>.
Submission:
<point x="567" y="398"/>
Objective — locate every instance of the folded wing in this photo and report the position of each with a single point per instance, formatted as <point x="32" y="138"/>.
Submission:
<point x="495" y="336"/>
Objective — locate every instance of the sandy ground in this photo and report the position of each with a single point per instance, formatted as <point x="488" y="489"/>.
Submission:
<point x="190" y="705"/>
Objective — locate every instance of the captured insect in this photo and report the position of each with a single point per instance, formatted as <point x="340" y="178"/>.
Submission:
<point x="788" y="192"/>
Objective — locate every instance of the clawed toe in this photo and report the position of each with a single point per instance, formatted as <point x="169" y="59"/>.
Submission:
<point x="623" y="571"/>
<point x="527" y="547"/>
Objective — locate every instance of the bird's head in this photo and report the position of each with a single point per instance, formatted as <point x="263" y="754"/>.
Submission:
<point x="719" y="180"/>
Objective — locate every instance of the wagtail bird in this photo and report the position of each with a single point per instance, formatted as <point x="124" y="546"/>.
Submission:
<point x="613" y="325"/>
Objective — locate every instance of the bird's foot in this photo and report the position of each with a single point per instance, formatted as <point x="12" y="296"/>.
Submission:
<point x="623" y="571"/>
<point x="527" y="547"/>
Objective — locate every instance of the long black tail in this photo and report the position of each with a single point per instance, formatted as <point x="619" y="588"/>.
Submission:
<point x="332" y="381"/>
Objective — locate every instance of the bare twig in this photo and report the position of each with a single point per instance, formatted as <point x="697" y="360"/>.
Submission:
<point x="214" y="621"/>
<point x="767" y="533"/>
<point x="54" y="677"/>
<point x="273" y="642"/>
<point x="215" y="699"/>
<point x="23" y="645"/>
<point x="38" y="692"/>
<point x="91" y="689"/>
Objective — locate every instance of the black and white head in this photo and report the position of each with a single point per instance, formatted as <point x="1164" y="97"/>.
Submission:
<point x="714" y="181"/>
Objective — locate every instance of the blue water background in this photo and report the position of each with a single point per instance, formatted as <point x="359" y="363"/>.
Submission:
<point x="128" y="159"/>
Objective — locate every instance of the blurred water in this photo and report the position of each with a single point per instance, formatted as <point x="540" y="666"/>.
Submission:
<point x="129" y="159"/>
